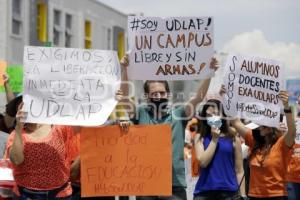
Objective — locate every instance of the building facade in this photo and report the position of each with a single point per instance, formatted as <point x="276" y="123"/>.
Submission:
<point x="58" y="23"/>
<point x="62" y="23"/>
<point x="69" y="23"/>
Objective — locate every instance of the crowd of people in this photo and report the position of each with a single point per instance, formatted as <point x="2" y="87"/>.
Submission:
<point x="46" y="161"/>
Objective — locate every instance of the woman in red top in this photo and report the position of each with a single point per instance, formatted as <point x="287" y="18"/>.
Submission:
<point x="41" y="165"/>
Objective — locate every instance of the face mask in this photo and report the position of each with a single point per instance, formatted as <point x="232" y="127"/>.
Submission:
<point x="159" y="103"/>
<point x="214" y="121"/>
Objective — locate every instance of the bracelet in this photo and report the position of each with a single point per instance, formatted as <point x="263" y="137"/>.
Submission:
<point x="287" y="110"/>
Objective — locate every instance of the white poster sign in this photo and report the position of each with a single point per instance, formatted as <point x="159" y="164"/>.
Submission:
<point x="175" y="48"/>
<point x="252" y="88"/>
<point x="69" y="86"/>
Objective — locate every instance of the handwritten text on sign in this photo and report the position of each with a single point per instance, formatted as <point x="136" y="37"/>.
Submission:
<point x="177" y="48"/>
<point x="69" y="86"/>
<point x="134" y="163"/>
<point x="252" y="86"/>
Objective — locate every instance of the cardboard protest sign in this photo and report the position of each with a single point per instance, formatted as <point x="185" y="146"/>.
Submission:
<point x="3" y="66"/>
<point x="69" y="86"/>
<point x="135" y="163"/>
<point x="175" y="48"/>
<point x="252" y="86"/>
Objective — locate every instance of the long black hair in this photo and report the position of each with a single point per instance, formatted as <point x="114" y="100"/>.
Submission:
<point x="204" y="128"/>
<point x="261" y="143"/>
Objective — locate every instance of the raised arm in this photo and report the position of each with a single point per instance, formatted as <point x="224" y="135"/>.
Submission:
<point x="205" y="156"/>
<point x="126" y="102"/>
<point x="9" y="121"/>
<point x="8" y="91"/>
<point x="201" y="92"/>
<point x="124" y="75"/>
<point x="16" y="153"/>
<point x="289" y="137"/>
<point x="236" y="123"/>
<point x="240" y="127"/>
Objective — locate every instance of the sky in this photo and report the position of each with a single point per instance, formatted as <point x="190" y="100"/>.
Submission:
<point x="266" y="28"/>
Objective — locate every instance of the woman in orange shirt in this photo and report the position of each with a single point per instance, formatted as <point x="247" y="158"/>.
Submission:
<point x="293" y="175"/>
<point x="41" y="162"/>
<point x="268" y="158"/>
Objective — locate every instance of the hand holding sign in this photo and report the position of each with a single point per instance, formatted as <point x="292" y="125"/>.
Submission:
<point x="222" y="90"/>
<point x="3" y="66"/>
<point x="5" y="78"/>
<point x="214" y="64"/>
<point x="20" y="118"/>
<point x="125" y="61"/>
<point x="284" y="97"/>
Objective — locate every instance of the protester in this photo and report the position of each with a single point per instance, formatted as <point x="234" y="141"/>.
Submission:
<point x="269" y="149"/>
<point x="190" y="133"/>
<point x="41" y="165"/>
<point x="293" y="174"/>
<point x="192" y="166"/>
<point x="157" y="112"/>
<point x="75" y="167"/>
<point x="8" y="118"/>
<point x="219" y="152"/>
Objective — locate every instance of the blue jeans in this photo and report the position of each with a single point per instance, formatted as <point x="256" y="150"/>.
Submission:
<point x="293" y="190"/>
<point x="38" y="197"/>
<point x="41" y="194"/>
<point x="217" y="195"/>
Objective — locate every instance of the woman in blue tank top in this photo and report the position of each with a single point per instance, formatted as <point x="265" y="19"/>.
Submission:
<point x="218" y="150"/>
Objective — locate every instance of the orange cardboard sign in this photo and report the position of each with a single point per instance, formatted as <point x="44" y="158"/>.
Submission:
<point x="114" y="163"/>
<point x="3" y="66"/>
